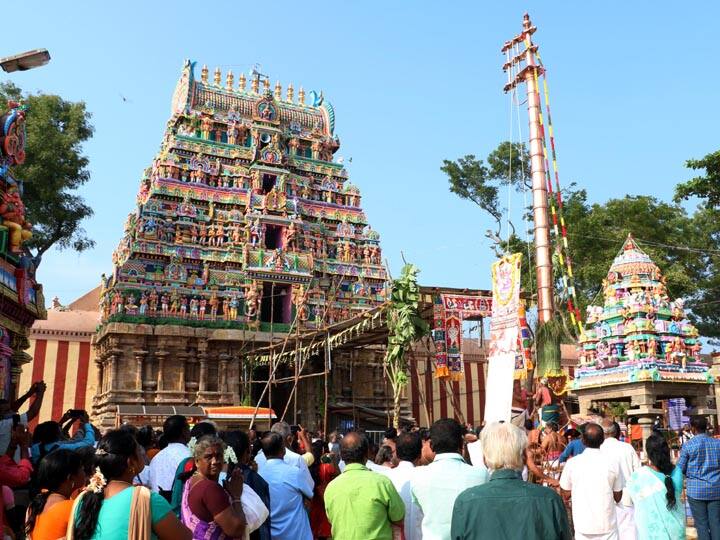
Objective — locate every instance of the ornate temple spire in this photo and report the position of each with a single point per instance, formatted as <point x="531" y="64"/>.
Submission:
<point x="242" y="81"/>
<point x="301" y="96"/>
<point x="217" y="78"/>
<point x="290" y="93"/>
<point x="229" y="80"/>
<point x="204" y="74"/>
<point x="255" y="84"/>
<point x="278" y="91"/>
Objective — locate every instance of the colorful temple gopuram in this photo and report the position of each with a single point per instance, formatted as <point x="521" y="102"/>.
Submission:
<point x="639" y="333"/>
<point x="639" y="346"/>
<point x="245" y="229"/>
<point x="21" y="297"/>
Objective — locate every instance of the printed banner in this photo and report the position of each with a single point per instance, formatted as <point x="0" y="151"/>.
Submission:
<point x="504" y="334"/>
<point x="468" y="305"/>
<point x="449" y="312"/>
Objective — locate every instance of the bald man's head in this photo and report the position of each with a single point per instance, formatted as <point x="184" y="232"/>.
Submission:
<point x="593" y="435"/>
<point x="354" y="448"/>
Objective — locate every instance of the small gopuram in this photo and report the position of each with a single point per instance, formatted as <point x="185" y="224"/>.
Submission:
<point x="21" y="297"/>
<point x="638" y="345"/>
<point x="246" y="229"/>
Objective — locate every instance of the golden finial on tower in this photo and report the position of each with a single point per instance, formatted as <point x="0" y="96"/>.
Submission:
<point x="216" y="79"/>
<point x="278" y="91"/>
<point x="229" y="80"/>
<point x="266" y="84"/>
<point x="255" y="85"/>
<point x="301" y="96"/>
<point x="204" y="74"/>
<point x="241" y="82"/>
<point x="290" y="93"/>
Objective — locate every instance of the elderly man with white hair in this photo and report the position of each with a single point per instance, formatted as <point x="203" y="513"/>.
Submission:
<point x="506" y="506"/>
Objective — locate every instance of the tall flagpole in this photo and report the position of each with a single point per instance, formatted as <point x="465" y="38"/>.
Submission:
<point x="528" y="74"/>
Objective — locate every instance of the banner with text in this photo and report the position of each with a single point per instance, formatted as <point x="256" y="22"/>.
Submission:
<point x="503" y="351"/>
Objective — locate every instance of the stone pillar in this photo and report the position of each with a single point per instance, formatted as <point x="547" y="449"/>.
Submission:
<point x="139" y="359"/>
<point x="114" y="371"/>
<point x="222" y="373"/>
<point x="160" y="355"/>
<point x="203" y="371"/>
<point x="101" y="376"/>
<point x="642" y="401"/>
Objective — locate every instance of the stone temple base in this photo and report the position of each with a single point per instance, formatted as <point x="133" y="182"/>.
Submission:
<point x="168" y="365"/>
<point x="643" y="396"/>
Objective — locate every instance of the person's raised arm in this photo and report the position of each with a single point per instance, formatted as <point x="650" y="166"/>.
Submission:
<point x="232" y="520"/>
<point x="15" y="405"/>
<point x="16" y="474"/>
<point x="35" y="406"/>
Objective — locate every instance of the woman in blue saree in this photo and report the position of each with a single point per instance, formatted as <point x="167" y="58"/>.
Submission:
<point x="655" y="491"/>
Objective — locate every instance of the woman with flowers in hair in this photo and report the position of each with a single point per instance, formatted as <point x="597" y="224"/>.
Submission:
<point x="112" y="508"/>
<point x="212" y="511"/>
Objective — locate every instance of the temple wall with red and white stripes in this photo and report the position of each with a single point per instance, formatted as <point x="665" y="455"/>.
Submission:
<point x="432" y="398"/>
<point x="63" y="357"/>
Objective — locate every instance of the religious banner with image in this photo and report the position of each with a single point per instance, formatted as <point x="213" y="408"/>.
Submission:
<point x="504" y="334"/>
<point x="449" y="312"/>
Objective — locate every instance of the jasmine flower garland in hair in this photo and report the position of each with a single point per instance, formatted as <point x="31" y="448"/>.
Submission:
<point x="191" y="445"/>
<point x="97" y="482"/>
<point x="230" y="456"/>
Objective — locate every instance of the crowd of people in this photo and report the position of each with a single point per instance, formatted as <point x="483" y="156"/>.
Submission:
<point x="441" y="483"/>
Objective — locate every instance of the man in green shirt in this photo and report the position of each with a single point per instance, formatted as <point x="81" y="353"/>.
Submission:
<point x="361" y="504"/>
<point x="507" y="507"/>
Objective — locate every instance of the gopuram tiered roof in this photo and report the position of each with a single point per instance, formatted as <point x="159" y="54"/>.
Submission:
<point x="245" y="218"/>
<point x="246" y="230"/>
<point x="638" y="334"/>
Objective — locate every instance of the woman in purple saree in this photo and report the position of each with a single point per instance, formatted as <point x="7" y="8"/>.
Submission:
<point x="211" y="511"/>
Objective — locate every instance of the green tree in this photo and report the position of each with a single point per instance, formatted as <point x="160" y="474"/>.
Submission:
<point x="706" y="186"/>
<point x="471" y="179"/>
<point x="686" y="246"/>
<point x="54" y="169"/>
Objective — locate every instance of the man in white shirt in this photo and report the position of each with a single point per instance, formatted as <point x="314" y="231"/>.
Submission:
<point x="436" y="486"/>
<point x="290" y="457"/>
<point x="408" y="447"/>
<point x="627" y="460"/>
<point x="163" y="466"/>
<point x="595" y="484"/>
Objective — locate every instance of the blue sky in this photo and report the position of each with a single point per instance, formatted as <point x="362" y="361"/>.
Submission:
<point x="633" y="89"/>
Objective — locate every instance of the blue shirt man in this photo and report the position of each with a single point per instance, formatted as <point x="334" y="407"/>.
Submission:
<point x="574" y="448"/>
<point x="289" y="486"/>
<point x="700" y="463"/>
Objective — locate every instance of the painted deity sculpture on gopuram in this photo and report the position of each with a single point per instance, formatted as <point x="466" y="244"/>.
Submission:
<point x="639" y="333"/>
<point x="21" y="296"/>
<point x="245" y="218"/>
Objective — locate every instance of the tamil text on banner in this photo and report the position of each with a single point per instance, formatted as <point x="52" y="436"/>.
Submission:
<point x="502" y="356"/>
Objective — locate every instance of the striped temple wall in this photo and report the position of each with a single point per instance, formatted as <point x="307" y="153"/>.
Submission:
<point x="431" y="399"/>
<point x="63" y="357"/>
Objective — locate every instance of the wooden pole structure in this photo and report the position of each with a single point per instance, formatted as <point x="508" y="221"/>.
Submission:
<point x="528" y="74"/>
<point x="297" y="371"/>
<point x="326" y="372"/>
<point x="271" y="367"/>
